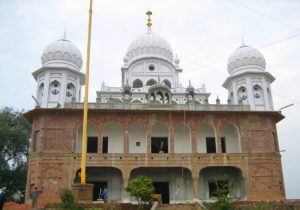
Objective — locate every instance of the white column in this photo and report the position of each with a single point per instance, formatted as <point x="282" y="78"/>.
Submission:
<point x="266" y="96"/>
<point x="250" y="93"/>
<point x="46" y="90"/>
<point x="63" y="89"/>
<point x="234" y="91"/>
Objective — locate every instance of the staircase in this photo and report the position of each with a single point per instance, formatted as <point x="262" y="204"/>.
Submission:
<point x="176" y="207"/>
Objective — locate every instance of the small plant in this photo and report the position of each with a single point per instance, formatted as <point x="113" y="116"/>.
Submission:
<point x="223" y="195"/>
<point x="67" y="198"/>
<point x="142" y="189"/>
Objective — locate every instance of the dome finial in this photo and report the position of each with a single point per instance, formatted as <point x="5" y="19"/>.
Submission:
<point x="149" y="24"/>
<point x="243" y="43"/>
<point x="65" y="33"/>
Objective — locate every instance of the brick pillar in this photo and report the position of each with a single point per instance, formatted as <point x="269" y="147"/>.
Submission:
<point x="194" y="140"/>
<point x="171" y="140"/>
<point x="218" y="140"/>
<point x="126" y="196"/>
<point x="126" y="140"/>
<point x="195" y="176"/>
<point x="100" y="139"/>
<point x="149" y="131"/>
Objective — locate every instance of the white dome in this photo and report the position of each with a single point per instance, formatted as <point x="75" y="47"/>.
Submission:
<point x="62" y="53"/>
<point x="149" y="45"/>
<point x="246" y="58"/>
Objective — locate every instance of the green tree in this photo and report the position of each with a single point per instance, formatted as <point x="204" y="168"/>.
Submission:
<point x="141" y="188"/>
<point x="14" y="145"/>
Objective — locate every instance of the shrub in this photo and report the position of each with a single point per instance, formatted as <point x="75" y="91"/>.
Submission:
<point x="141" y="188"/>
<point x="67" y="198"/>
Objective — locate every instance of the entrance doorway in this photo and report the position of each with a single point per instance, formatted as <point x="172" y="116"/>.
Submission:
<point x="163" y="189"/>
<point x="159" y="144"/>
<point x="96" y="192"/>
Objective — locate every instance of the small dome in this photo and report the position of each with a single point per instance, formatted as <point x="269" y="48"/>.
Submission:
<point x="149" y="44"/>
<point x="246" y="58"/>
<point x="62" y="53"/>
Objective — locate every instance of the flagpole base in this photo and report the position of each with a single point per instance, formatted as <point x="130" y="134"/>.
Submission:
<point x="83" y="193"/>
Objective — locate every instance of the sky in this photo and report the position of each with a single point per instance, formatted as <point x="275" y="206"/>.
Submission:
<point x="203" y="34"/>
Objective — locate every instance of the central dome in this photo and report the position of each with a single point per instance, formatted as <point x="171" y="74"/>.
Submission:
<point x="148" y="45"/>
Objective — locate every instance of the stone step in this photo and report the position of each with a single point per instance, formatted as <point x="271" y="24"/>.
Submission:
<point x="176" y="207"/>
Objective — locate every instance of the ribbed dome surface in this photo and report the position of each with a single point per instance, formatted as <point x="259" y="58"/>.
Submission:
<point x="62" y="53"/>
<point x="149" y="45"/>
<point x="246" y="57"/>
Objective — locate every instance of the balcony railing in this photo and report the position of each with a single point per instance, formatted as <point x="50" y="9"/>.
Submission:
<point x="128" y="106"/>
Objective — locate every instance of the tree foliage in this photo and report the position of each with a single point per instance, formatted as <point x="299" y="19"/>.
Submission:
<point x="141" y="188"/>
<point x="14" y="145"/>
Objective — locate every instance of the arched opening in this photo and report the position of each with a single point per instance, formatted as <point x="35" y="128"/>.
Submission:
<point x="104" y="177"/>
<point x="167" y="98"/>
<point x="137" y="138"/>
<point x="167" y="83"/>
<point x="159" y="97"/>
<point x="229" y="179"/>
<point x="113" y="138"/>
<point x="151" y="82"/>
<point x="54" y="91"/>
<point x="175" y="184"/>
<point x="160" y="138"/>
<point x="206" y="139"/>
<point x="92" y="138"/>
<point x="182" y="139"/>
<point x="258" y="95"/>
<point x="152" y="97"/>
<point x="70" y="92"/>
<point x="137" y="83"/>
<point x="40" y="94"/>
<point x="230" y="142"/>
<point x="242" y="95"/>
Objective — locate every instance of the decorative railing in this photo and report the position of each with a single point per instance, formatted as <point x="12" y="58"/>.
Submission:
<point x="192" y="107"/>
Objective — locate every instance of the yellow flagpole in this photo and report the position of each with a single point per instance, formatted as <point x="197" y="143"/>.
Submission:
<point x="86" y="94"/>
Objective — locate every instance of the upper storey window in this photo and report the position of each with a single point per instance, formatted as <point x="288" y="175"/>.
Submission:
<point x="151" y="82"/>
<point x="137" y="83"/>
<point x="54" y="91"/>
<point x="70" y="92"/>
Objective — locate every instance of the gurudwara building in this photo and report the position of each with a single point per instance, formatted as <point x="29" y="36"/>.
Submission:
<point x="153" y="126"/>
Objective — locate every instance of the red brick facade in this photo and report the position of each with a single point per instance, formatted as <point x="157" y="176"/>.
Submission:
<point x="53" y="160"/>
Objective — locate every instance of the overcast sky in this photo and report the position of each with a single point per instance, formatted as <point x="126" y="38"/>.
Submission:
<point x="202" y="33"/>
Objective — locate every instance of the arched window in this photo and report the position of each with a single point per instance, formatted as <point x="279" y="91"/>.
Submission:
<point x="54" y="91"/>
<point x="137" y="138"/>
<point x="151" y="82"/>
<point x="242" y="95"/>
<point x="206" y="141"/>
<point x="92" y="138"/>
<point x="40" y="94"/>
<point x="182" y="139"/>
<point x="137" y="83"/>
<point x="167" y="83"/>
<point x="70" y="92"/>
<point x="159" y="138"/>
<point x="230" y="141"/>
<point x="113" y="138"/>
<point x="258" y="95"/>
